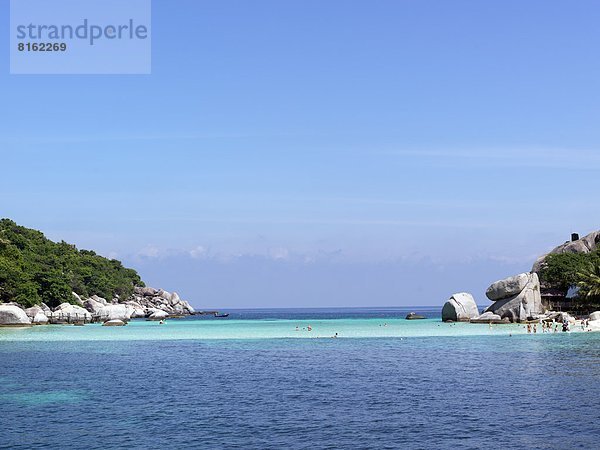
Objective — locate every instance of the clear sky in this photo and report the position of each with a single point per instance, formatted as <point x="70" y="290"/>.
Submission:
<point x="319" y="153"/>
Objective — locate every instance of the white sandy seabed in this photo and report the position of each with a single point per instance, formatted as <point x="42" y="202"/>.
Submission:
<point x="191" y="329"/>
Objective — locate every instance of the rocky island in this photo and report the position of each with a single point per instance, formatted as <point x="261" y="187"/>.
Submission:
<point x="44" y="282"/>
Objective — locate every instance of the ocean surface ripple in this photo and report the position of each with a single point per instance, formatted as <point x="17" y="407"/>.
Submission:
<point x="470" y="391"/>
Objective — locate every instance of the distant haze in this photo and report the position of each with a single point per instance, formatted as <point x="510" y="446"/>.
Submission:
<point x="262" y="282"/>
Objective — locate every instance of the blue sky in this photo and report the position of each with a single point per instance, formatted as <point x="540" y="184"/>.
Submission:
<point x="312" y="153"/>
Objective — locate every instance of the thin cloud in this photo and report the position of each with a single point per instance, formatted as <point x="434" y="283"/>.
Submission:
<point x="532" y="157"/>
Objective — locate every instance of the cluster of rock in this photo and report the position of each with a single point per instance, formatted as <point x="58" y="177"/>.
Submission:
<point x="147" y="302"/>
<point x="154" y="304"/>
<point x="515" y="299"/>
<point x="159" y="299"/>
<point x="519" y="298"/>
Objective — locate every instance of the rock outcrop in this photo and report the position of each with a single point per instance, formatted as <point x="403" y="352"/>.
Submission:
<point x="12" y="315"/>
<point x="508" y="287"/>
<point x="147" y="298"/>
<point x="114" y="323"/>
<point x="560" y="317"/>
<point x="94" y="304"/>
<point x="143" y="303"/>
<point x="461" y="307"/>
<point x="594" y="321"/>
<point x="120" y="312"/>
<point x="586" y="244"/>
<point x="67" y="312"/>
<point x="138" y="311"/>
<point x="489" y="317"/>
<point x="37" y="315"/>
<point x="158" y="315"/>
<point x="516" y="298"/>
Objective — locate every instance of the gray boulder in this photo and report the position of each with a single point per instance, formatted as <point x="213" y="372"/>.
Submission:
<point x="114" y="323"/>
<point x="99" y="299"/>
<point x="40" y="319"/>
<point x="138" y="310"/>
<point x="11" y="315"/>
<point x="187" y="307"/>
<point x="37" y="315"/>
<point x="508" y="287"/>
<point x="517" y="307"/>
<point x="31" y="312"/>
<point x="138" y="314"/>
<point x="93" y="305"/>
<point x="164" y="294"/>
<point x="115" y="312"/>
<point x="66" y="312"/>
<point x="489" y="317"/>
<point x="158" y="315"/>
<point x="148" y="292"/>
<point x="461" y="307"/>
<point x="560" y="316"/>
<point x="594" y="316"/>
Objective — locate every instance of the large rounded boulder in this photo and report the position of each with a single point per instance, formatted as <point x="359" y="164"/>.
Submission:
<point x="461" y="307"/>
<point x="37" y="315"/>
<point x="158" y="315"/>
<point x="114" y="323"/>
<point x="594" y="316"/>
<point x="66" y="312"/>
<point x="11" y="315"/>
<point x="93" y="305"/>
<point x="508" y="287"/>
<point x="115" y="312"/>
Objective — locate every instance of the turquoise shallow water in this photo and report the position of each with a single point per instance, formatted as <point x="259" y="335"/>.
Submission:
<point x="256" y="329"/>
<point x="254" y="382"/>
<point x="269" y="324"/>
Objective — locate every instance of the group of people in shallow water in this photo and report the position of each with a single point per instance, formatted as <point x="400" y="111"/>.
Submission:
<point x="309" y="328"/>
<point x="553" y="327"/>
<point x="547" y="327"/>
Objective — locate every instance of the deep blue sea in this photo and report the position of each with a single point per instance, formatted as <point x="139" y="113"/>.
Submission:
<point x="412" y="384"/>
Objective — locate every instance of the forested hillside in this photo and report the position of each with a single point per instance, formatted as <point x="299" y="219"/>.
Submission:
<point x="34" y="269"/>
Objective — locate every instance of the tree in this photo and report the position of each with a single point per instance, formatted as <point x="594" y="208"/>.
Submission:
<point x="564" y="270"/>
<point x="589" y="282"/>
<point x="34" y="269"/>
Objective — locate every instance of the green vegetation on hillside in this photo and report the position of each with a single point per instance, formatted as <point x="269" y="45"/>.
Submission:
<point x="34" y="269"/>
<point x="564" y="270"/>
